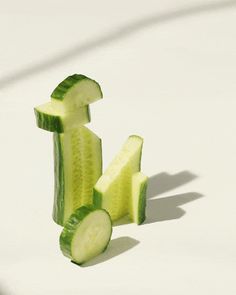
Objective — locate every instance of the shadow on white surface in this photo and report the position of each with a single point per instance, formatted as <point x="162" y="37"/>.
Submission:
<point x="167" y="208"/>
<point x="121" y="221"/>
<point x="114" y="35"/>
<point x="164" y="182"/>
<point x="3" y="291"/>
<point x="116" y="247"/>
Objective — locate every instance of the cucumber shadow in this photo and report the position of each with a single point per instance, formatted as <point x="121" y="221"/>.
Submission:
<point x="167" y="208"/>
<point x="163" y="182"/>
<point x="116" y="247"/>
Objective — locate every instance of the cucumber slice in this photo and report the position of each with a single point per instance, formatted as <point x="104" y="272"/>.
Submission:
<point x="113" y="189"/>
<point x="76" y="91"/>
<point x="77" y="167"/>
<point x="86" y="234"/>
<point x="138" y="198"/>
<point x="50" y="117"/>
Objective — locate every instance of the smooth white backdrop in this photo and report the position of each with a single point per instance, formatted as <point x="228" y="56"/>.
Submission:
<point x="167" y="70"/>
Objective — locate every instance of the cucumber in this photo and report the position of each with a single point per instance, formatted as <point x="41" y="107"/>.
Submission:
<point x="113" y="189"/>
<point x="77" y="167"/>
<point x="86" y="234"/>
<point x="138" y="198"/>
<point x="51" y="118"/>
<point x="76" y="91"/>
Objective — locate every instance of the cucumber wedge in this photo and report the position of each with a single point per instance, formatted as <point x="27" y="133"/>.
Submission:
<point x="51" y="118"/>
<point x="77" y="167"/>
<point x="76" y="91"/>
<point x="113" y="189"/>
<point x="86" y="234"/>
<point x="138" y="198"/>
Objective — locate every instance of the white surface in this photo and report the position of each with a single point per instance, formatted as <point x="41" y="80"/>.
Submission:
<point x="167" y="73"/>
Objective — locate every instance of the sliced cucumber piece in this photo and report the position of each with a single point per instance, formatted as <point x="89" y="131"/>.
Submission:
<point x="78" y="166"/>
<point x="113" y="189"/>
<point x="50" y="117"/>
<point x="86" y="234"/>
<point x="76" y="91"/>
<point x="138" y="198"/>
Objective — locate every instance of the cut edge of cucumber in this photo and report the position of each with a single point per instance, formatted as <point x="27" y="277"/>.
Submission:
<point x="121" y="159"/>
<point x="113" y="189"/>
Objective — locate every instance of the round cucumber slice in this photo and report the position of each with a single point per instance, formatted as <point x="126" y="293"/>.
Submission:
<point x="86" y="234"/>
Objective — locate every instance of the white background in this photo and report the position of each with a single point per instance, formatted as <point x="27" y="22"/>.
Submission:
<point x="167" y="70"/>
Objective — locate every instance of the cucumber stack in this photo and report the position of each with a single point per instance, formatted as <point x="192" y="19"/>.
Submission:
<point x="85" y="201"/>
<point x="77" y="150"/>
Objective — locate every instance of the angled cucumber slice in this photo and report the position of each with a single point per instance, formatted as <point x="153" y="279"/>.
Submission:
<point x="113" y="189"/>
<point x="50" y="117"/>
<point x="77" y="167"/>
<point x="138" y="198"/>
<point x="86" y="234"/>
<point x="76" y="91"/>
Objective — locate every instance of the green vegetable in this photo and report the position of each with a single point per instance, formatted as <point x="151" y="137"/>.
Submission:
<point x="50" y="118"/>
<point x="138" y="198"/>
<point x="78" y="165"/>
<point x="76" y="91"/>
<point x="86" y="234"/>
<point x="77" y="150"/>
<point x="113" y="189"/>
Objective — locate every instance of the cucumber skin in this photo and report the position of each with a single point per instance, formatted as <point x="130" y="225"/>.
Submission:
<point x="49" y="122"/>
<point x="142" y="203"/>
<point x="59" y="180"/>
<point x="71" y="226"/>
<point x="60" y="91"/>
<point x="70" y="229"/>
<point x="97" y="199"/>
<point x="59" y="183"/>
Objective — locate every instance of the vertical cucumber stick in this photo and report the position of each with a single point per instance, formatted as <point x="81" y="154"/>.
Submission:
<point x="78" y="165"/>
<point x="138" y="198"/>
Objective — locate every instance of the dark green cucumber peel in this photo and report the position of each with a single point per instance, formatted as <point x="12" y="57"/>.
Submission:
<point x="48" y="122"/>
<point x="70" y="229"/>
<point x="59" y="182"/>
<point x="97" y="199"/>
<point x="142" y="203"/>
<point x="63" y="87"/>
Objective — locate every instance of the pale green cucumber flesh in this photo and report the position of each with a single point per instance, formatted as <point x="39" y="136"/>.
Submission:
<point x="86" y="234"/>
<point x="77" y="91"/>
<point x="78" y="166"/>
<point x="113" y="189"/>
<point x="138" y="198"/>
<point x="51" y="118"/>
